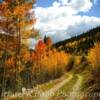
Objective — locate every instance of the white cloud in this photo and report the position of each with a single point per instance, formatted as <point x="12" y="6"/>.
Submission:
<point x="78" y="5"/>
<point x="61" y="20"/>
<point x="74" y="25"/>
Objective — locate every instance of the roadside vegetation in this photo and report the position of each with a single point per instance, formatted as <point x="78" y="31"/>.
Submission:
<point x="46" y="63"/>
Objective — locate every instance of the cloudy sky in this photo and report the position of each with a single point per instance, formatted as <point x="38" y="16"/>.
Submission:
<point x="63" y="19"/>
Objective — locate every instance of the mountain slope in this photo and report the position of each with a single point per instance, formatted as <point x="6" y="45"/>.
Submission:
<point x="80" y="44"/>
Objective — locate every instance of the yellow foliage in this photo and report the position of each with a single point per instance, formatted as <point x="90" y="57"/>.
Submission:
<point x="94" y="56"/>
<point x="54" y="60"/>
<point x="77" y="60"/>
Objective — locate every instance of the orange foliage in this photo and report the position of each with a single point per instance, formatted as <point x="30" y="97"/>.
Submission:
<point x="17" y="13"/>
<point x="40" y="47"/>
<point x="48" y="41"/>
<point x="10" y="63"/>
<point x="21" y="10"/>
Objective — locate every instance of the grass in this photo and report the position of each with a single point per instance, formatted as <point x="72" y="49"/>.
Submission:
<point x="86" y="74"/>
<point x="39" y="89"/>
<point x="52" y="83"/>
<point x="62" y="94"/>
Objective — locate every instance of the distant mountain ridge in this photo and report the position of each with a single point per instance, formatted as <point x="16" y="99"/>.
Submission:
<point x="80" y="44"/>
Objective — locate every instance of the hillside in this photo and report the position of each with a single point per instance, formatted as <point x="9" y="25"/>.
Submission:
<point x="80" y="44"/>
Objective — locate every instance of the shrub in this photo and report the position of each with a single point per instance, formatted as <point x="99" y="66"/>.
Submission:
<point x="94" y="56"/>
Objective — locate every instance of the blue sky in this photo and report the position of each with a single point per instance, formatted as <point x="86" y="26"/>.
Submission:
<point x="44" y="3"/>
<point x="62" y="19"/>
<point x="95" y="11"/>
